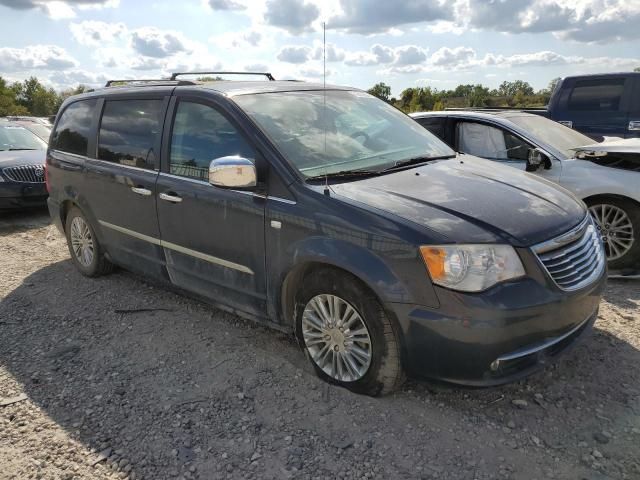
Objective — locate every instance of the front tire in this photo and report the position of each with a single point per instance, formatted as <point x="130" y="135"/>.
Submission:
<point x="618" y="222"/>
<point x="86" y="252"/>
<point x="346" y="334"/>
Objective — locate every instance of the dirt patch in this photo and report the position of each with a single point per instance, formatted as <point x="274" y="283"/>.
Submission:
<point x="127" y="380"/>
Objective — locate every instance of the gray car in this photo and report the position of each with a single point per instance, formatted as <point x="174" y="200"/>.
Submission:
<point x="606" y="180"/>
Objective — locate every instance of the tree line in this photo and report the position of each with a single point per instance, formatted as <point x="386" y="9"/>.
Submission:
<point x="32" y="98"/>
<point x="518" y="93"/>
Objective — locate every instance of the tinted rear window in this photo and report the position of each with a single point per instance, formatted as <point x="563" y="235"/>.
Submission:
<point x="597" y="95"/>
<point x="129" y="132"/>
<point x="72" y="131"/>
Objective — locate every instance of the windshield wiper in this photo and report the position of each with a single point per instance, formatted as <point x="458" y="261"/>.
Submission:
<point x="414" y="161"/>
<point x="345" y="174"/>
<point x="15" y="149"/>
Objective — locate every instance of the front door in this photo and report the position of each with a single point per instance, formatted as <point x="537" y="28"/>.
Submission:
<point x="120" y="183"/>
<point x="213" y="238"/>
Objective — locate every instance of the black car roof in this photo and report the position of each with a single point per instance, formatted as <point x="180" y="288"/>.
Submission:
<point x="222" y="87"/>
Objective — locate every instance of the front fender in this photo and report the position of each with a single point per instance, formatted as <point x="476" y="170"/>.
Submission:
<point x="399" y="278"/>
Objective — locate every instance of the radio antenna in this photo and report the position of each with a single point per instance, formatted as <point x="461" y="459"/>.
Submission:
<point x="324" y="100"/>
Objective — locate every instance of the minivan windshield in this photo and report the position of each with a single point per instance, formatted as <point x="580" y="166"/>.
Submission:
<point x="562" y="138"/>
<point x="337" y="131"/>
<point x="15" y="137"/>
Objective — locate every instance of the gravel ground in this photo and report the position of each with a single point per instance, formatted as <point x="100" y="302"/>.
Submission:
<point x="117" y="378"/>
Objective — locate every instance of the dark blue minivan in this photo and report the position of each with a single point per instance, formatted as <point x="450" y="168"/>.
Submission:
<point x="328" y="213"/>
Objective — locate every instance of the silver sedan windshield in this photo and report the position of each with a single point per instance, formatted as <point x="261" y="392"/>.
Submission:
<point x="326" y="132"/>
<point x="562" y="138"/>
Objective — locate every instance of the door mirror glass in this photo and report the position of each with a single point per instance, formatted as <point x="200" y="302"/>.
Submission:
<point x="233" y="172"/>
<point x="537" y="160"/>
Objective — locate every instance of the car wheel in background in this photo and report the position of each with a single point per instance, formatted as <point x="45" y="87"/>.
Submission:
<point x="618" y="221"/>
<point x="346" y="333"/>
<point x="86" y="252"/>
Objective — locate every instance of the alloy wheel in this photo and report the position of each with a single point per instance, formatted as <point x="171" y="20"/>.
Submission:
<point x="336" y="337"/>
<point x="82" y="241"/>
<point x="615" y="228"/>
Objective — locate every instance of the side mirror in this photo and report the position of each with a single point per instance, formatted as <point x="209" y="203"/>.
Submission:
<point x="233" y="172"/>
<point x="536" y="160"/>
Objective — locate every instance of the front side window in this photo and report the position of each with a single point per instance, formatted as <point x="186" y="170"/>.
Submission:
<point x="434" y="125"/>
<point x="324" y="132"/>
<point x="201" y="134"/>
<point x="73" y="128"/>
<point x="597" y="95"/>
<point x="490" y="142"/>
<point x="129" y="132"/>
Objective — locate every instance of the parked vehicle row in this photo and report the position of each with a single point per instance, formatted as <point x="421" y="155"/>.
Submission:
<point x="605" y="176"/>
<point x="328" y="213"/>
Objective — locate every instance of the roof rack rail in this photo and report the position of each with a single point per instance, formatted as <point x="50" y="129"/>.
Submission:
<point x="147" y="81"/>
<point x="175" y="75"/>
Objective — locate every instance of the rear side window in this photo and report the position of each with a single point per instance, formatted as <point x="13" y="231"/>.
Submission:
<point x="72" y="131"/>
<point x="434" y="125"/>
<point x="597" y="95"/>
<point x="201" y="134"/>
<point x="129" y="132"/>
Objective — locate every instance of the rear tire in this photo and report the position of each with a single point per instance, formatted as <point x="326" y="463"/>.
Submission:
<point x="85" y="249"/>
<point x="346" y="333"/>
<point x="618" y="222"/>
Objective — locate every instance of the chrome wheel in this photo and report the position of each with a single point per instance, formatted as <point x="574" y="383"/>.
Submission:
<point x="337" y="338"/>
<point x="81" y="241"/>
<point x="615" y="228"/>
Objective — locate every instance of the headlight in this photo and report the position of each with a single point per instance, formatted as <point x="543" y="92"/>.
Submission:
<point x="471" y="268"/>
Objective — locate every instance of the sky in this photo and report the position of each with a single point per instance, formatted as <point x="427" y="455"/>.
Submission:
<point x="403" y="43"/>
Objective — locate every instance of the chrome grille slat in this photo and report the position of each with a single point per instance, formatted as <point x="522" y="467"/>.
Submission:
<point x="575" y="253"/>
<point x="572" y="266"/>
<point x="25" y="173"/>
<point x="566" y="250"/>
<point x="575" y="259"/>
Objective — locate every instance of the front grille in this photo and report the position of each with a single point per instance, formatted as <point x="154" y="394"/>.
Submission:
<point x="574" y="259"/>
<point x="25" y="173"/>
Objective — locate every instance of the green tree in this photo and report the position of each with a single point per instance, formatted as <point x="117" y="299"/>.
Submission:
<point x="509" y="89"/>
<point x="637" y="69"/>
<point x="381" y="90"/>
<point x="8" y="105"/>
<point x="36" y="98"/>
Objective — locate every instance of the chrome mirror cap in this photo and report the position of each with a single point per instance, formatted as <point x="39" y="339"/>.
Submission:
<point x="232" y="172"/>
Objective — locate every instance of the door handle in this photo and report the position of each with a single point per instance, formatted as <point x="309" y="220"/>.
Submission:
<point x="141" y="191"/>
<point x="170" y="198"/>
<point x="634" y="125"/>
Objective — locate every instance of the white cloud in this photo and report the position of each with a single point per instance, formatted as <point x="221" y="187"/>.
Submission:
<point x="250" y="38"/>
<point x="96" y="33"/>
<point x="225" y="5"/>
<point x="294" y="54"/>
<point x="372" y="16"/>
<point x="152" y="42"/>
<point x="41" y="57"/>
<point x="58" y="9"/>
<point x="332" y="53"/>
<point x="409" y="55"/>
<point x="73" y="78"/>
<point x="294" y="16"/>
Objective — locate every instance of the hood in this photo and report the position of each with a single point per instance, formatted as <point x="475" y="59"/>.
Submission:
<point x="12" y="158"/>
<point x="469" y="200"/>
<point x="629" y="145"/>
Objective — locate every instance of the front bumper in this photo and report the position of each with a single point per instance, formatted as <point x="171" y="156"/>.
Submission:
<point x="14" y="195"/>
<point x="496" y="336"/>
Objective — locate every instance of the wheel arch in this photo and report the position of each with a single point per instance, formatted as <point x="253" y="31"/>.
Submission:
<point x="294" y="278"/>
